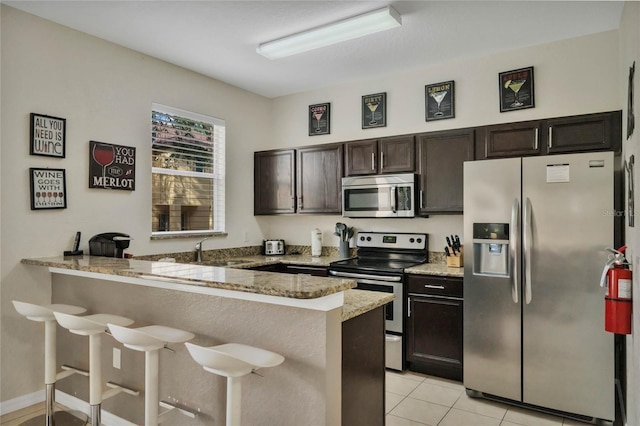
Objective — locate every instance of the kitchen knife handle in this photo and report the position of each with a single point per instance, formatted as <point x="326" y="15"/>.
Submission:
<point x="514" y="249"/>
<point x="535" y="141"/>
<point x="528" y="234"/>
<point x="550" y="143"/>
<point x="373" y="161"/>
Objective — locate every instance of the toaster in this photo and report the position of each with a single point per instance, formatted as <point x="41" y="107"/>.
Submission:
<point x="273" y="247"/>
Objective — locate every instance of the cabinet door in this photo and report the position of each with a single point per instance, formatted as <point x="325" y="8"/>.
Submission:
<point x="361" y="157"/>
<point x="591" y="132"/>
<point x="434" y="335"/>
<point x="513" y="140"/>
<point x="319" y="181"/>
<point x="273" y="182"/>
<point x="440" y="163"/>
<point x="397" y="154"/>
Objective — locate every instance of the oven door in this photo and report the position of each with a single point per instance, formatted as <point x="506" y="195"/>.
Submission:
<point x="386" y="284"/>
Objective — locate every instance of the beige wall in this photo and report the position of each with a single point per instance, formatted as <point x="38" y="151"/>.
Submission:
<point x="105" y="92"/>
<point x="630" y="52"/>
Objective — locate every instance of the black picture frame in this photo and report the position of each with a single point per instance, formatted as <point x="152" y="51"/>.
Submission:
<point x="374" y="110"/>
<point x="48" y="188"/>
<point x="47" y="135"/>
<point x="516" y="88"/>
<point x="112" y="166"/>
<point x="439" y="101"/>
<point x="320" y="119"/>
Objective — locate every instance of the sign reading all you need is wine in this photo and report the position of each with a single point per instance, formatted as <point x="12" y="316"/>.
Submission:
<point x="112" y="166"/>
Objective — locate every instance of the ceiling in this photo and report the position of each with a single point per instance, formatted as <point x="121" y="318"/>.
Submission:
<point x="219" y="38"/>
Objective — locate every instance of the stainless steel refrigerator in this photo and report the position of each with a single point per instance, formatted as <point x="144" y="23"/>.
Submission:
<point x="535" y="232"/>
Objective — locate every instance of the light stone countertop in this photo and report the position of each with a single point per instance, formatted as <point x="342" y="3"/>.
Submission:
<point x="296" y="286"/>
<point x="358" y="302"/>
<point x="440" y="269"/>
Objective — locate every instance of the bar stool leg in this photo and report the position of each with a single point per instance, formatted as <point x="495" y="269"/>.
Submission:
<point x="95" y="378"/>
<point x="234" y="398"/>
<point x="151" y="395"/>
<point x="50" y="370"/>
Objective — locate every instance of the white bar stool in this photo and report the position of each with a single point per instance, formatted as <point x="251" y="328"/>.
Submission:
<point x="150" y="340"/>
<point x="233" y="360"/>
<point x="93" y="326"/>
<point x="44" y="313"/>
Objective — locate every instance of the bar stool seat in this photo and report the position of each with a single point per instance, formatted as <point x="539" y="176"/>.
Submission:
<point x="150" y="340"/>
<point x="233" y="360"/>
<point x="44" y="313"/>
<point x="93" y="326"/>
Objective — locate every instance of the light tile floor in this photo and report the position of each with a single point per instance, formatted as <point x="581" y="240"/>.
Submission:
<point x="414" y="399"/>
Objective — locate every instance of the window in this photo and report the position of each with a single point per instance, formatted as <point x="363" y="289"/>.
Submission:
<point x="188" y="172"/>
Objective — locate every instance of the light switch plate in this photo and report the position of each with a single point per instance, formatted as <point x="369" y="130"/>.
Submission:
<point x="116" y="358"/>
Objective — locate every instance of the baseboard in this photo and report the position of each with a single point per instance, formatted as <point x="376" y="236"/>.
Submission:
<point x="69" y="401"/>
<point x="21" y="402"/>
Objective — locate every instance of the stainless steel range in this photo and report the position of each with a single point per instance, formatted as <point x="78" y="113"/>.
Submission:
<point x="379" y="266"/>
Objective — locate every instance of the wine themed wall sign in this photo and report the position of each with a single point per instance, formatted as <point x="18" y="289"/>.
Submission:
<point x="112" y="166"/>
<point x="48" y="189"/>
<point x="374" y="110"/>
<point x="47" y="135"/>
<point x="319" y="119"/>
<point x="439" y="101"/>
<point x="516" y="89"/>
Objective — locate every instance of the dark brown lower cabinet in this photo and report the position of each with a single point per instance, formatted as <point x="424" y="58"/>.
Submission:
<point x="363" y="371"/>
<point x="434" y="326"/>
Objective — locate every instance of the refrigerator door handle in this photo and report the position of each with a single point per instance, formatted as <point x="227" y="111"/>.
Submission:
<point x="528" y="235"/>
<point x="514" y="248"/>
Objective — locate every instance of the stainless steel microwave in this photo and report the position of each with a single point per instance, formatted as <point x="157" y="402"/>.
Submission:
<point x="379" y="196"/>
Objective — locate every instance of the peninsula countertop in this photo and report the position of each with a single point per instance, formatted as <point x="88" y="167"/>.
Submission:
<point x="296" y="286"/>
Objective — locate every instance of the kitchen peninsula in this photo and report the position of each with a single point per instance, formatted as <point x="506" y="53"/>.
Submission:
<point x="299" y="316"/>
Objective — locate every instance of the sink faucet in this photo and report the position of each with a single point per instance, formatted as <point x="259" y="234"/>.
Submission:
<point x="199" y="249"/>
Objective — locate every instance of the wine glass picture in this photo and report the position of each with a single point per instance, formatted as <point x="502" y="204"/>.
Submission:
<point x="515" y="86"/>
<point x="438" y="97"/>
<point x="104" y="155"/>
<point x="373" y="106"/>
<point x="318" y="115"/>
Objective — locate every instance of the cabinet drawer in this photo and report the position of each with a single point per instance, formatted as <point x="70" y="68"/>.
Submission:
<point x="432" y="285"/>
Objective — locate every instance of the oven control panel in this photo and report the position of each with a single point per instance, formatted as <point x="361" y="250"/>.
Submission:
<point x="393" y="240"/>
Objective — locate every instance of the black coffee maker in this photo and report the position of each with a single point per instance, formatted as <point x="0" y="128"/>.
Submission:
<point x="109" y="244"/>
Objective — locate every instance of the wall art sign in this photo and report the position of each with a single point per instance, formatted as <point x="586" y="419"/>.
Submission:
<point x="47" y="135"/>
<point x="374" y="110"/>
<point x="439" y="101"/>
<point x="48" y="189"/>
<point x="319" y="119"/>
<point x="112" y="166"/>
<point x="631" y="119"/>
<point x="516" y="89"/>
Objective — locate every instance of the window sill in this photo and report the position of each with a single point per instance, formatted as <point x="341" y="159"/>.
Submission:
<point x="173" y="236"/>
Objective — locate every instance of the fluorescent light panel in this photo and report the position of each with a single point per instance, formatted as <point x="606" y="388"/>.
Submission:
<point x="336" y="32"/>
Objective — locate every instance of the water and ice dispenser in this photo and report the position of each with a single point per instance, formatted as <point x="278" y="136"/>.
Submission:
<point x="491" y="249"/>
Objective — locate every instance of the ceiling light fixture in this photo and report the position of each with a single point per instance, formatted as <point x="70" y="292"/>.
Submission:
<point x="335" y="32"/>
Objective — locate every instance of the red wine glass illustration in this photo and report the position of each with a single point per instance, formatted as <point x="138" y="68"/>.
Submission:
<point x="103" y="155"/>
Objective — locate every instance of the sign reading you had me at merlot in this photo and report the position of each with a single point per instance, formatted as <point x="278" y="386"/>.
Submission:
<point x="112" y="166"/>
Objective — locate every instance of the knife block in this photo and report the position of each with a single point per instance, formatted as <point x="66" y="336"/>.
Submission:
<point x="457" y="260"/>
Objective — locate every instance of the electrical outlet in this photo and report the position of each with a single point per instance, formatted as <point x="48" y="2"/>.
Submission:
<point x="246" y="236"/>
<point x="116" y="358"/>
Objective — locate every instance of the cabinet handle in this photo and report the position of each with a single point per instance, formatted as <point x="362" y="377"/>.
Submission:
<point x="373" y="161"/>
<point x="550" y="144"/>
<point x="421" y="202"/>
<point x="439" y="287"/>
<point x="408" y="307"/>
<point x="381" y="161"/>
<point x="535" y="142"/>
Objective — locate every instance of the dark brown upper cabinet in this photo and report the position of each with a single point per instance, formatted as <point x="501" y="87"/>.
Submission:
<point x="600" y="132"/>
<point x="319" y="178"/>
<point x="274" y="182"/>
<point x="440" y="158"/>
<point x="513" y="139"/>
<point x="394" y="154"/>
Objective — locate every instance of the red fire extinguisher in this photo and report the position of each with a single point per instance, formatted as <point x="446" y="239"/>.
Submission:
<point x="617" y="301"/>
